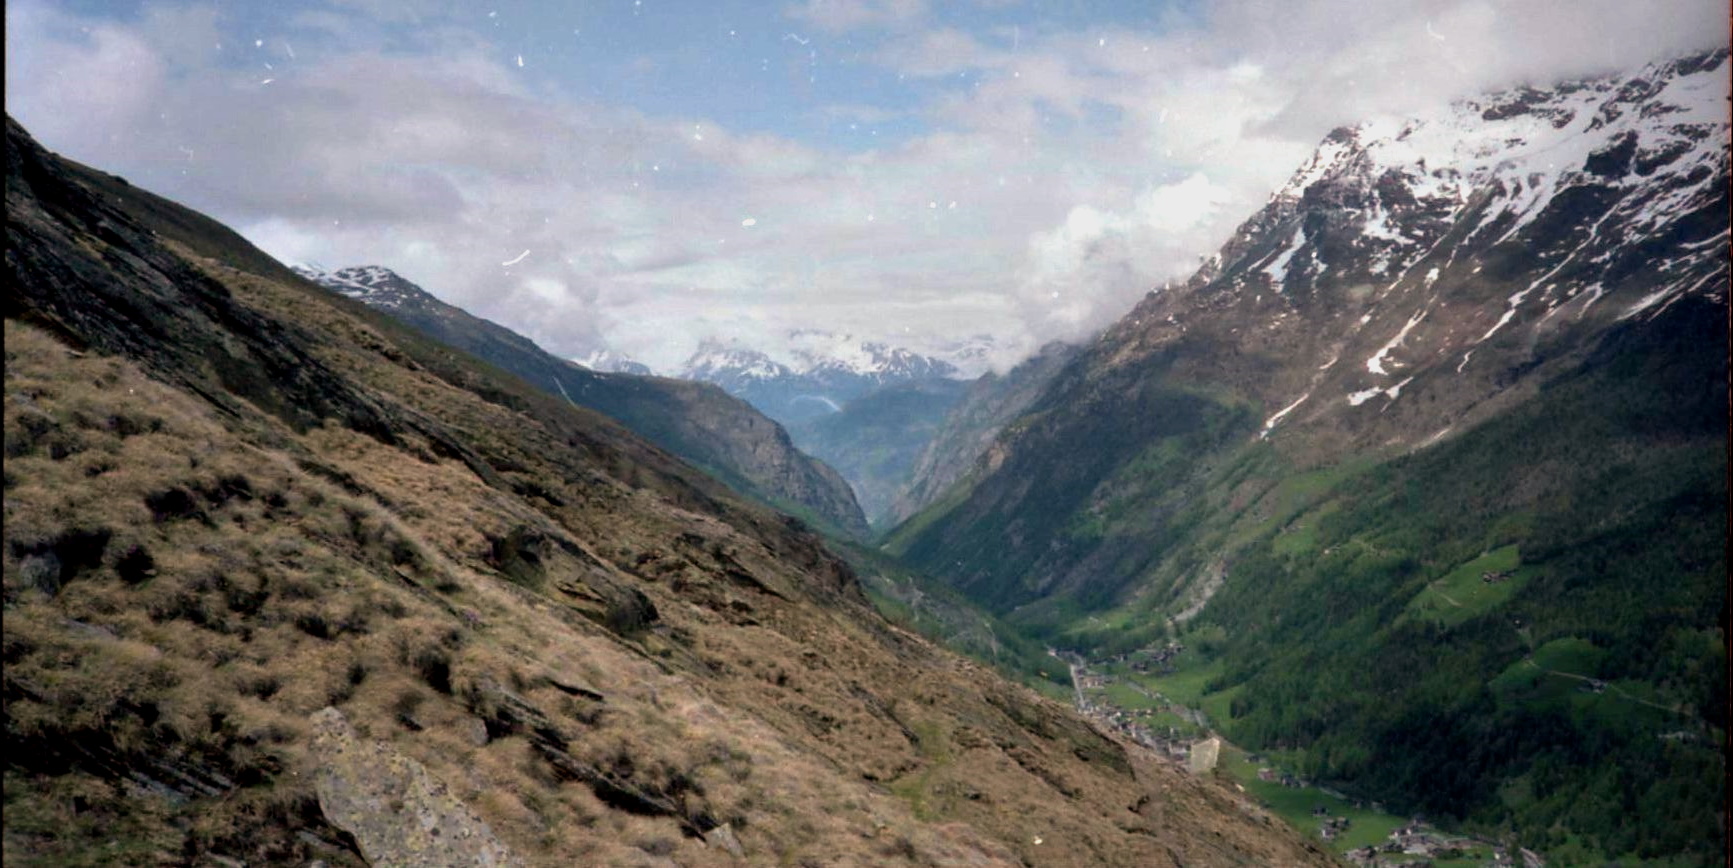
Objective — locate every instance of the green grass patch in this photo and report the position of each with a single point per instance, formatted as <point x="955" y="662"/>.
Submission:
<point x="1464" y="592"/>
<point x="1218" y="704"/>
<point x="1295" y="805"/>
<point x="1122" y="695"/>
<point x="1534" y="677"/>
<point x="1569" y="654"/>
<point x="1186" y="686"/>
<point x="1300" y="537"/>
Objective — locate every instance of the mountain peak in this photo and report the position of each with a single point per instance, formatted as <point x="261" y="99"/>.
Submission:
<point x="716" y="360"/>
<point x="815" y="353"/>
<point x="610" y="362"/>
<point x="1378" y="200"/>
<point x="375" y="285"/>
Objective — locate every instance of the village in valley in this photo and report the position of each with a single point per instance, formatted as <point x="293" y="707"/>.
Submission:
<point x="1123" y="695"/>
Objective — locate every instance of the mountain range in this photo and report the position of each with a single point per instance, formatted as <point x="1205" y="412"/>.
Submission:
<point x="287" y="581"/>
<point x="695" y="421"/>
<point x="864" y="407"/>
<point x="822" y="372"/>
<point x="1426" y="469"/>
<point x="1415" y="494"/>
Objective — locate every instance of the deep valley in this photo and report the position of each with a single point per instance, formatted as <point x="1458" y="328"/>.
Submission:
<point x="1396" y="534"/>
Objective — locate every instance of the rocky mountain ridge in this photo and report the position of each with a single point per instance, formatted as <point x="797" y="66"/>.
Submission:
<point x="1494" y="333"/>
<point x="695" y="421"/>
<point x="821" y="373"/>
<point x="1399" y="236"/>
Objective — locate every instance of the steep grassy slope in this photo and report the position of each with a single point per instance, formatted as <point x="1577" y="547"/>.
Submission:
<point x="269" y="555"/>
<point x="696" y="421"/>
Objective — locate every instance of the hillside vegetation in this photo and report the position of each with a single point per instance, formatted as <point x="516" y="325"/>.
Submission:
<point x="1426" y="470"/>
<point x="286" y="581"/>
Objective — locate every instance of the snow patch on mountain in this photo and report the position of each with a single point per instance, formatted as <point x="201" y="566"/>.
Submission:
<point x="1376" y="363"/>
<point x="1355" y="399"/>
<point x="1278" y="269"/>
<point x="817" y="354"/>
<point x="1270" y="423"/>
<point x="610" y="362"/>
<point x="373" y="284"/>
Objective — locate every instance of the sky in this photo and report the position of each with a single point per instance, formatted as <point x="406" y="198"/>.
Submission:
<point x="643" y="175"/>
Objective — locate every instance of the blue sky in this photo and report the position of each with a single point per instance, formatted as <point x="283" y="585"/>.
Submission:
<point x="904" y="170"/>
<point x="766" y="67"/>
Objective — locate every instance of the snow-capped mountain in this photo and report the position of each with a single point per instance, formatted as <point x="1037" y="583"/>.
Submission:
<point x="819" y="352"/>
<point x="1465" y="242"/>
<point x="696" y="422"/>
<point x="375" y="285"/>
<point x="1413" y="282"/>
<point x="610" y="362"/>
<point x="817" y="373"/>
<point x="811" y="353"/>
<point x="731" y="366"/>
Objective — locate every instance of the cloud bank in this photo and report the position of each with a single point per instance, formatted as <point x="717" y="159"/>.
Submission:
<point x="914" y="174"/>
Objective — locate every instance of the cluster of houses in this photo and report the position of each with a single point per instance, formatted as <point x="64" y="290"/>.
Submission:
<point x="1278" y="776"/>
<point x="1330" y="826"/>
<point x="1159" y="659"/>
<point x="1418" y="839"/>
<point x="1131" y="724"/>
<point x="1147" y="659"/>
<point x="1173" y="744"/>
<point x="1493" y="577"/>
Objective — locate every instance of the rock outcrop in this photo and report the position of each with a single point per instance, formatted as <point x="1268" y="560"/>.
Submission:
<point x="397" y="812"/>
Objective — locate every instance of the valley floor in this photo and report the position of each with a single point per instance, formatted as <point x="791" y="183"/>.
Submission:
<point x="1133" y="705"/>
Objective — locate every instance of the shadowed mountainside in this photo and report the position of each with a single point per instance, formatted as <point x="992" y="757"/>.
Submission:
<point x="971" y="426"/>
<point x="874" y="440"/>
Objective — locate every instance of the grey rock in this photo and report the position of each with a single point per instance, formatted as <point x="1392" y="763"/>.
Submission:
<point x="398" y="812"/>
<point x="723" y="837"/>
<point x="474" y="730"/>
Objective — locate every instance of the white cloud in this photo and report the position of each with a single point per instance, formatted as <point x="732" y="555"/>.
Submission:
<point x="85" y="82"/>
<point x="1095" y="265"/>
<point x="1085" y="167"/>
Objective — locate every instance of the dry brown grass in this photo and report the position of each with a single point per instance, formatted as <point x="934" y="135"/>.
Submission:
<point x="248" y="575"/>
